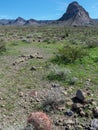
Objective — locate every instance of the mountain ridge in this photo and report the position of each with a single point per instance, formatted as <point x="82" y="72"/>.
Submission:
<point x="75" y="15"/>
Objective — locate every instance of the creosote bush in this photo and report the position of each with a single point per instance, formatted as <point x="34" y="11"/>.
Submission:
<point x="71" y="53"/>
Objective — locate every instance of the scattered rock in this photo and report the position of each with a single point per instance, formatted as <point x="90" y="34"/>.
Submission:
<point x="39" y="57"/>
<point x="22" y="58"/>
<point x="21" y="94"/>
<point x="59" y="122"/>
<point x="64" y="92"/>
<point x="1" y="98"/>
<point x="33" y="68"/>
<point x="33" y="93"/>
<point x="77" y="106"/>
<point x="69" y="103"/>
<point x="61" y="108"/>
<point x="55" y="85"/>
<point x="79" y="127"/>
<point x="66" y="128"/>
<point x="80" y="95"/>
<point x="2" y="105"/>
<point x="31" y="56"/>
<point x="95" y="111"/>
<point x="69" y="112"/>
<point x="94" y="103"/>
<point x="94" y="124"/>
<point x="69" y="121"/>
<point x="19" y="60"/>
<point x="82" y="113"/>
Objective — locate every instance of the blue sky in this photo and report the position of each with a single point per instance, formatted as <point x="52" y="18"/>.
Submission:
<point x="42" y="9"/>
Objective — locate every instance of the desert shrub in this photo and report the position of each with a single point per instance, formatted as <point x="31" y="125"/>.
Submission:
<point x="72" y="80"/>
<point x="2" y="46"/>
<point x="49" y="40"/>
<point x="53" y="99"/>
<point x="15" y="43"/>
<point x="71" y="53"/>
<point x="26" y="40"/>
<point x="60" y="74"/>
<point x="91" y="43"/>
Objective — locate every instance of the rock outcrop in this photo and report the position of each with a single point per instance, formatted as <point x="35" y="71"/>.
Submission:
<point x="76" y="15"/>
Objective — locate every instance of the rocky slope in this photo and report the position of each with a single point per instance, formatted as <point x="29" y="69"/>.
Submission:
<point x="18" y="21"/>
<point x="31" y="22"/>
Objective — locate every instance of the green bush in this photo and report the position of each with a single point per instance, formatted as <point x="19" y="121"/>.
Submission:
<point x="71" y="53"/>
<point x="2" y="46"/>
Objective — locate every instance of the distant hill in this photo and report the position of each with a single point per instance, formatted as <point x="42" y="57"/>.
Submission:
<point x="96" y="20"/>
<point x="75" y="15"/>
<point x="5" y="21"/>
<point x="31" y="22"/>
<point x="18" y="21"/>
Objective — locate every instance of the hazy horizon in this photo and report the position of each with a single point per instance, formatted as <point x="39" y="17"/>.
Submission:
<point x="42" y="10"/>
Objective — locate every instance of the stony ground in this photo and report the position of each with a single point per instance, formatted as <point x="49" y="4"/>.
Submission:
<point x="24" y="89"/>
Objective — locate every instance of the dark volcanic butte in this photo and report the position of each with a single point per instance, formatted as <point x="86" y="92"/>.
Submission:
<point x="76" y="15"/>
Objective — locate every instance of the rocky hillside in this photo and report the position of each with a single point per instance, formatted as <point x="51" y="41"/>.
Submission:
<point x="18" y="21"/>
<point x="76" y="15"/>
<point x="31" y="22"/>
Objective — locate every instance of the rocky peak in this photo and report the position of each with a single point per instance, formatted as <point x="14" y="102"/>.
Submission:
<point x="76" y="14"/>
<point x="74" y="8"/>
<point x="19" y="21"/>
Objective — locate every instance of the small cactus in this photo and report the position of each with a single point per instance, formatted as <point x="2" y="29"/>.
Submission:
<point x="40" y="121"/>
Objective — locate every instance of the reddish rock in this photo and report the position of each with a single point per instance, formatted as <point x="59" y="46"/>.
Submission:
<point x="40" y="121"/>
<point x="33" y="93"/>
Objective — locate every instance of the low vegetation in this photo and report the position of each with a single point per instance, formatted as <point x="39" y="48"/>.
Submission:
<point x="71" y="53"/>
<point x="2" y="46"/>
<point x="44" y="72"/>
